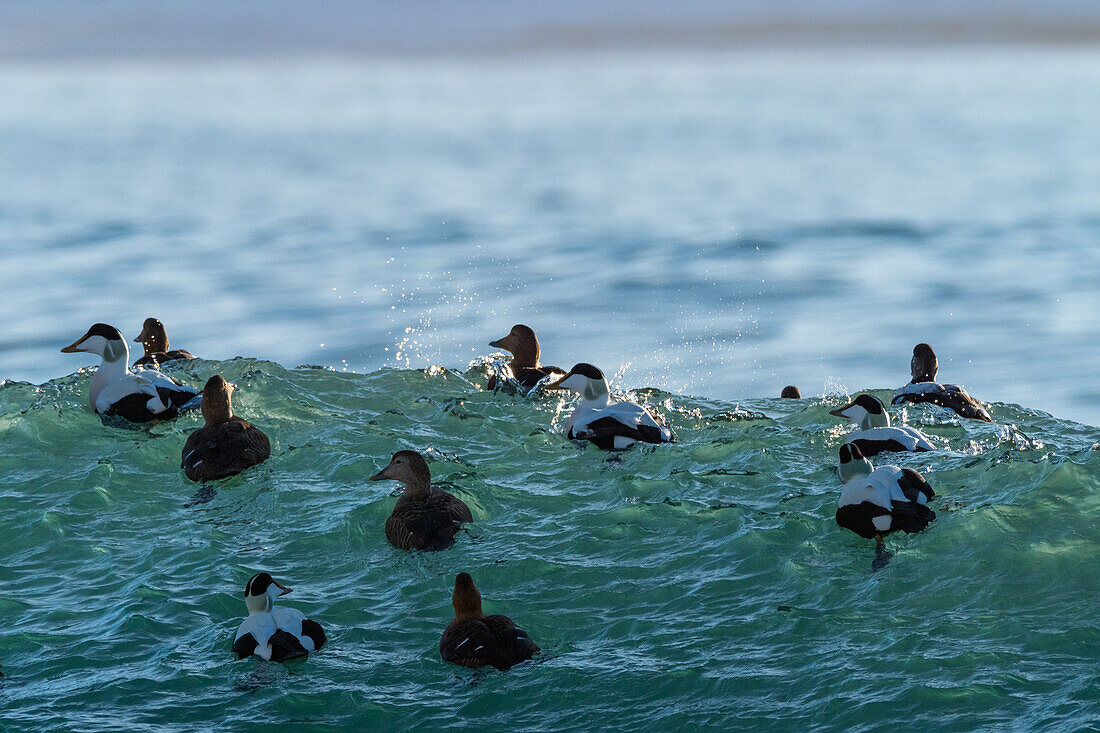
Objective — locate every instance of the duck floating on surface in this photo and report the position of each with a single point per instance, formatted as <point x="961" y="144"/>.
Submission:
<point x="155" y="341"/>
<point x="610" y="425"/>
<point x="475" y="640"/>
<point x="875" y="434"/>
<point x="271" y="632"/>
<point x="139" y="396"/>
<point x="523" y="345"/>
<point x="423" y="518"/>
<point x="924" y="388"/>
<point x="226" y="444"/>
<point x="877" y="501"/>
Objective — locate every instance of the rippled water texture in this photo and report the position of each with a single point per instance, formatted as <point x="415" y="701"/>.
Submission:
<point x="697" y="584"/>
<point x="720" y="224"/>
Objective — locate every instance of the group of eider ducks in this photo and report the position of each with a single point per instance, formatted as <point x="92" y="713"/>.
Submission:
<point x="873" y="502"/>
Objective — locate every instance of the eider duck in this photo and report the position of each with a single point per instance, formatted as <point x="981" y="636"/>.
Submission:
<point x="155" y="341"/>
<point x="924" y="388"/>
<point x="877" y="501"/>
<point x="475" y="640"/>
<point x="423" y="518"/>
<point x="522" y="344"/>
<point x="875" y="435"/>
<point x="610" y="425"/>
<point x="274" y="632"/>
<point x="790" y="392"/>
<point x="226" y="444"/>
<point x="138" y="396"/>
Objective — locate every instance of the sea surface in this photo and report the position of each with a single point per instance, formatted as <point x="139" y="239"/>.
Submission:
<point x="342" y="239"/>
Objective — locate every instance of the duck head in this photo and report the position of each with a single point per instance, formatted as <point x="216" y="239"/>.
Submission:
<point x="585" y="380"/>
<point x="102" y="340"/>
<point x="867" y="411"/>
<point x="260" y="592"/>
<point x="466" y="599"/>
<point x="153" y="337"/>
<point x="924" y="364"/>
<point x="791" y="392"/>
<point x="522" y="344"/>
<point x="217" y="400"/>
<point x="410" y="468"/>
<point x="852" y="464"/>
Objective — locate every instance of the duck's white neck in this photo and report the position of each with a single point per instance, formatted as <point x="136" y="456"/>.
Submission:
<point x="596" y="394"/>
<point x="881" y="420"/>
<point x="853" y="470"/>
<point x="110" y="370"/>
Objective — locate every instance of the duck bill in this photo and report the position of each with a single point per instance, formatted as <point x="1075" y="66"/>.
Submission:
<point x="839" y="412"/>
<point x="74" y="348"/>
<point x="381" y="475"/>
<point x="282" y="587"/>
<point x="501" y="343"/>
<point x="557" y="384"/>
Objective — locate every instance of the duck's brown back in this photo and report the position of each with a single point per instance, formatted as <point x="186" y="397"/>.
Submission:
<point x="426" y="524"/>
<point x="212" y="453"/>
<point x="490" y="641"/>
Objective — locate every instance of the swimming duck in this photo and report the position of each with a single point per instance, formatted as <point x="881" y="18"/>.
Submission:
<point x="475" y="640"/>
<point x="875" y="435"/>
<point x="610" y="425"/>
<point x="924" y="388"/>
<point x="522" y="344"/>
<point x="791" y="392"/>
<point x="226" y="444"/>
<point x="423" y="518"/>
<point x="271" y="632"/>
<point x="877" y="501"/>
<point x="138" y="396"/>
<point x="155" y="341"/>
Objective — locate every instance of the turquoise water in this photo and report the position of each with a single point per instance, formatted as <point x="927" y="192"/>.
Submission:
<point x="697" y="584"/>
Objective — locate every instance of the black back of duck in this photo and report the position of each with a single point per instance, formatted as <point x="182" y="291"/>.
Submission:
<point x="490" y="641"/>
<point x="212" y="453"/>
<point x="426" y="524"/>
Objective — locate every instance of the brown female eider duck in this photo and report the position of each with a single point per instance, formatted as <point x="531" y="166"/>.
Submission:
<point x="475" y="640"/>
<point x="610" y="425"/>
<point x="924" y="388"/>
<point x="155" y="341"/>
<point x="226" y="444"/>
<point x="423" y="518"/>
<point x="271" y="632"/>
<point x="790" y="392"/>
<point x="141" y="396"/>
<point x="522" y="344"/>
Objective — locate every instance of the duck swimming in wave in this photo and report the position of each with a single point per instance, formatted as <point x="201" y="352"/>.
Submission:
<point x="423" y="518"/>
<point x="877" y="501"/>
<point x="610" y="425"/>
<point x="875" y="434"/>
<point x="522" y="344"/>
<point x="475" y="640"/>
<point x="155" y="340"/>
<point x="271" y="632"/>
<point x="924" y="388"/>
<point x="226" y="444"/>
<point x="139" y="396"/>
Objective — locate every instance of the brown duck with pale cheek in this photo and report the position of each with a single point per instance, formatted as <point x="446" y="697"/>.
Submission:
<point x="155" y="341"/>
<point x="475" y="640"/>
<point x="423" y="518"/>
<point x="226" y="444"/>
<point x="522" y="344"/>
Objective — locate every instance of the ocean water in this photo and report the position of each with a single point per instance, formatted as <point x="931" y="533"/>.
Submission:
<point x="341" y="238"/>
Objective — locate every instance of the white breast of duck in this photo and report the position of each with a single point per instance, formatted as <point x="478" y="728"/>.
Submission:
<point x="114" y="382"/>
<point x="610" y="425"/>
<point x="880" y="500"/>
<point x="875" y="434"/>
<point x="265" y="620"/>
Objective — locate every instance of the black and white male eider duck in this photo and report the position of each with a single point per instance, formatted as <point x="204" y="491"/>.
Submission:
<point x="271" y="632"/>
<point x="924" y="388"/>
<point x="875" y="435"/>
<point x="138" y="396"/>
<point x="610" y="425"/>
<point x="423" y="518"/>
<point x="877" y="501"/>
<point x="226" y="444"/>
<point x="475" y="640"/>
<point x="155" y="341"/>
<point x="522" y="344"/>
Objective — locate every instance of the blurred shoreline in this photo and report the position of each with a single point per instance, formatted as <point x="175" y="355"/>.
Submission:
<point x="118" y="29"/>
